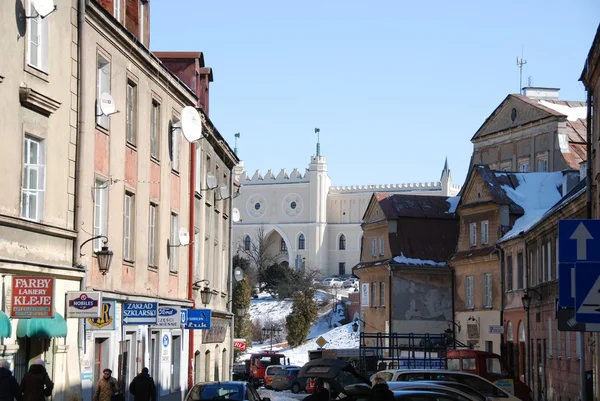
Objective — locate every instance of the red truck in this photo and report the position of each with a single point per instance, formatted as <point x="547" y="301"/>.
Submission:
<point x="258" y="364"/>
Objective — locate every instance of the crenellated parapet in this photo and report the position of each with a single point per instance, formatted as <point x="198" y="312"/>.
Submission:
<point x="270" y="177"/>
<point x="387" y="187"/>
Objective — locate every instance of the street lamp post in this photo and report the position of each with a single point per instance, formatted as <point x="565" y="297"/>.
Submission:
<point x="271" y="330"/>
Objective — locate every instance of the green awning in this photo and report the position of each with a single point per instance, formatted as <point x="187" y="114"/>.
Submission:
<point x="5" y="326"/>
<point x="43" y="327"/>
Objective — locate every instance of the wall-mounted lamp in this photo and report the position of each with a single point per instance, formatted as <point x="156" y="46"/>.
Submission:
<point x="240" y="309"/>
<point x="526" y="298"/>
<point x="205" y="293"/>
<point x="355" y="325"/>
<point x="104" y="255"/>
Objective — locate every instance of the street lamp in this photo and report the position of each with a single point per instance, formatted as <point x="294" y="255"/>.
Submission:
<point x="240" y="310"/>
<point x="271" y="330"/>
<point x="104" y="255"/>
<point x="205" y="293"/>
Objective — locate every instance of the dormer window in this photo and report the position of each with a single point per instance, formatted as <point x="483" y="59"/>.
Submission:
<point x="473" y="234"/>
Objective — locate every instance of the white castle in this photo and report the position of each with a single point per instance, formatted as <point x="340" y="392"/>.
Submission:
<point x="308" y="222"/>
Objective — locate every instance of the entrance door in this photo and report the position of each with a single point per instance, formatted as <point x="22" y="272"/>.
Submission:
<point x="101" y="352"/>
<point x="128" y="364"/>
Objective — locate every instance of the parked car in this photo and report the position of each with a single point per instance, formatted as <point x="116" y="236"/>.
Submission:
<point x="437" y="387"/>
<point x="419" y="395"/>
<point x="287" y="379"/>
<point x="240" y="391"/>
<point x="270" y="373"/>
<point x="332" y="282"/>
<point x="352" y="282"/>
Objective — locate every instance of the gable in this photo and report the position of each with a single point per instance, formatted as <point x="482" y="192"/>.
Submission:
<point x="374" y="211"/>
<point x="476" y="191"/>
<point x="526" y="111"/>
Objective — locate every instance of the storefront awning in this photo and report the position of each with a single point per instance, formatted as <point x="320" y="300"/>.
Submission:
<point x="43" y="327"/>
<point x="5" y="326"/>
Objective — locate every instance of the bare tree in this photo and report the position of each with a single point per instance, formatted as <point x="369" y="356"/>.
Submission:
<point x="258" y="252"/>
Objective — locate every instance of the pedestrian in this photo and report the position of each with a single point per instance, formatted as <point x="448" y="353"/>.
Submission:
<point x="107" y="387"/>
<point x="380" y="391"/>
<point x="9" y="388"/>
<point x="36" y="384"/>
<point x="142" y="387"/>
<point x="320" y="393"/>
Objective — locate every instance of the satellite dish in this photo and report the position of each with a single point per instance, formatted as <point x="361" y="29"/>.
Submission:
<point x="211" y="181"/>
<point x="235" y="214"/>
<point x="43" y="7"/>
<point x="224" y="191"/>
<point x="184" y="237"/>
<point x="191" y="124"/>
<point x="238" y="274"/>
<point x="107" y="104"/>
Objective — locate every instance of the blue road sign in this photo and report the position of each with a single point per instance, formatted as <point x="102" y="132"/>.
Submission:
<point x="140" y="312"/>
<point x="578" y="240"/>
<point x="587" y="292"/>
<point x="183" y="316"/>
<point x="198" y="319"/>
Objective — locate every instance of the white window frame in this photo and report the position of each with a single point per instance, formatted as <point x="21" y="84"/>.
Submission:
<point x="374" y="247"/>
<point x="484" y="232"/>
<point x="128" y="226"/>
<point x="175" y="145"/>
<point x="103" y="68"/>
<point x="542" y="163"/>
<point x="549" y="264"/>
<point x="524" y="165"/>
<point x="469" y="302"/>
<point x="100" y="211"/>
<point x="131" y="111"/>
<point x="198" y="177"/>
<point x="505" y="166"/>
<point x="382" y="293"/>
<point x="155" y="130"/>
<point x="473" y="234"/>
<point x="381" y="246"/>
<point x="152" y="226"/>
<point x="37" y="40"/>
<point x="174" y="260"/>
<point x="487" y="290"/>
<point x="34" y="166"/>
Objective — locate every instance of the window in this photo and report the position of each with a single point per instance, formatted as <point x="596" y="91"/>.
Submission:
<point x="34" y="177"/>
<point x="117" y="9"/>
<point x="582" y="170"/>
<point x="484" y="232"/>
<point x="37" y="40"/>
<point x="469" y="292"/>
<point x="198" y="177"/>
<point x="301" y="242"/>
<point x="196" y="254"/>
<point x="100" y="212"/>
<point x="505" y="166"/>
<point x="175" y="140"/>
<point x="550" y="336"/>
<point x="373" y="295"/>
<point x="549" y="260"/>
<point x="509" y="273"/>
<point x="283" y="246"/>
<point x="247" y="243"/>
<point x="154" y="130"/>
<point x="174" y="260"/>
<point x="542" y="163"/>
<point x="342" y="268"/>
<point x="342" y="244"/>
<point x="128" y="226"/>
<point x="524" y="165"/>
<point x="487" y="290"/>
<point x="558" y="342"/>
<point x="473" y="234"/>
<point x="520" y="271"/>
<point x="152" y="236"/>
<point x="382" y="294"/>
<point x="374" y="247"/>
<point x="381" y="245"/>
<point x="131" y="112"/>
<point x="102" y="86"/>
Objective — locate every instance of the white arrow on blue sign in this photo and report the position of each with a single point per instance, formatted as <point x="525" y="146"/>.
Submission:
<point x="140" y="313"/>
<point x="198" y="319"/>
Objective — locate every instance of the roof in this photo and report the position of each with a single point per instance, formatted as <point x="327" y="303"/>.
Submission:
<point x="403" y="205"/>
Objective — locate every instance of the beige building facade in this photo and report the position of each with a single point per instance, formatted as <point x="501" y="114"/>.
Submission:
<point x="37" y="204"/>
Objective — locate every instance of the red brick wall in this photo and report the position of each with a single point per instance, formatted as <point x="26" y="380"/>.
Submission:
<point x="132" y="16"/>
<point x="108" y="5"/>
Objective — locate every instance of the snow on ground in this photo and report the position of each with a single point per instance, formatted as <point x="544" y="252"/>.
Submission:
<point x="281" y="395"/>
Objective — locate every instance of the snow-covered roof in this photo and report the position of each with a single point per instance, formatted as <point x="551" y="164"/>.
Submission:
<point x="418" y="262"/>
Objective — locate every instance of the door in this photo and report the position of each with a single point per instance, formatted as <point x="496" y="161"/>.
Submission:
<point x="540" y="391"/>
<point x="128" y="367"/>
<point x="101" y="352"/>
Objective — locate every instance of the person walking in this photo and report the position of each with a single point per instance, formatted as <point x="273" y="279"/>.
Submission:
<point x="9" y="388"/>
<point x="320" y="393"/>
<point x="142" y="387"/>
<point x="107" y="386"/>
<point x="380" y="391"/>
<point x="36" y="384"/>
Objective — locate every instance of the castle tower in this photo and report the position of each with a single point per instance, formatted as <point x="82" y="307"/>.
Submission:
<point x="446" y="180"/>
<point x="319" y="188"/>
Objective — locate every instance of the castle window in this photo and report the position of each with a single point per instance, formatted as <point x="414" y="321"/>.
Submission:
<point x="342" y="244"/>
<point x="283" y="246"/>
<point x="247" y="242"/>
<point x="301" y="242"/>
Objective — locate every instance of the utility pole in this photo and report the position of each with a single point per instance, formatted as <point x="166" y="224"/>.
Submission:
<point x="271" y="330"/>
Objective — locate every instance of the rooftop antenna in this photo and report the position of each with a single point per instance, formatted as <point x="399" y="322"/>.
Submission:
<point x="520" y="64"/>
<point x="318" y="131"/>
<point x="529" y="80"/>
<point x="237" y="135"/>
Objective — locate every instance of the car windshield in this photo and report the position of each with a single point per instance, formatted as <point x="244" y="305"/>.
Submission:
<point x="216" y="391"/>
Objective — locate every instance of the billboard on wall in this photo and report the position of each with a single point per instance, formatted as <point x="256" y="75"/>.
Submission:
<point x="32" y="297"/>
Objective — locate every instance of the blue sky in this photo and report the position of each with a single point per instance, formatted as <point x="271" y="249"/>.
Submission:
<point x="394" y="86"/>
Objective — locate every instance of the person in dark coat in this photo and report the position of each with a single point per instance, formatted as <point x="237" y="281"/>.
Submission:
<point x="36" y="384"/>
<point x="142" y="387"/>
<point x="380" y="390"/>
<point x="320" y="393"/>
<point x="9" y="388"/>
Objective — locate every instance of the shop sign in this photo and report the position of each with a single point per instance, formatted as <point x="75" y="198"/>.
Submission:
<point x="84" y="304"/>
<point x="106" y="321"/>
<point x="239" y="344"/>
<point x="32" y="297"/>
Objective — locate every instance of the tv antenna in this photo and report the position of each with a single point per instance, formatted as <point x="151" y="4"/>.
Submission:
<point x="520" y="64"/>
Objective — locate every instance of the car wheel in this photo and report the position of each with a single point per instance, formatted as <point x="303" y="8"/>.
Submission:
<point x="295" y="388"/>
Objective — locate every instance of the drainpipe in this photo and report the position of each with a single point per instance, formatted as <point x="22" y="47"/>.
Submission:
<point x="502" y="283"/>
<point x="588" y="207"/>
<point x="390" y="308"/>
<point x="527" y="320"/>
<point x="191" y="260"/>
<point x="230" y="275"/>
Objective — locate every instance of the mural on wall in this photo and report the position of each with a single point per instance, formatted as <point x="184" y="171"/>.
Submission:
<point x="417" y="299"/>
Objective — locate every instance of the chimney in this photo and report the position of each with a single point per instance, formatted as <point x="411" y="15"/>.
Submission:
<point x="205" y="78"/>
<point x="538" y="92"/>
<point x="569" y="180"/>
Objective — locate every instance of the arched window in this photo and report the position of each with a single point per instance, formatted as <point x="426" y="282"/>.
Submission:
<point x="283" y="246"/>
<point x="342" y="242"/>
<point x="509" y="333"/>
<point x="301" y="242"/>
<point x="247" y="242"/>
